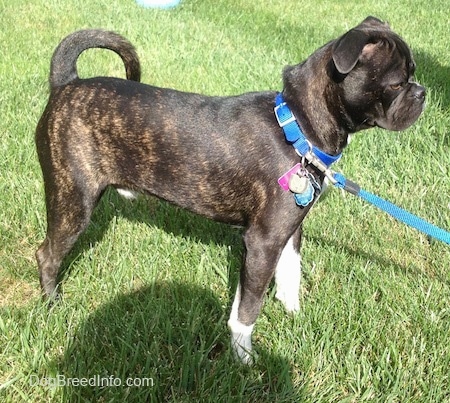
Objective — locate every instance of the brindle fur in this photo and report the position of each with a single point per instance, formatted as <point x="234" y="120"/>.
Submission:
<point x="216" y="156"/>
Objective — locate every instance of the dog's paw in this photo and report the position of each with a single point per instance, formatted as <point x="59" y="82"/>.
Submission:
<point x="128" y="194"/>
<point x="241" y="341"/>
<point x="242" y="348"/>
<point x="291" y="301"/>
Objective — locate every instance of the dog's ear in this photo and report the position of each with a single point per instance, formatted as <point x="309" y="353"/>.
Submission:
<point x="349" y="47"/>
<point x="374" y="23"/>
<point x="347" y="50"/>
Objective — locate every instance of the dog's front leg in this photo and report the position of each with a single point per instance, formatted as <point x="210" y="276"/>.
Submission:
<point x="262" y="253"/>
<point x="288" y="274"/>
<point x="241" y="334"/>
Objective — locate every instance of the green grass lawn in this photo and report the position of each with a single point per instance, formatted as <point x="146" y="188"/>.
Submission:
<point x="148" y="287"/>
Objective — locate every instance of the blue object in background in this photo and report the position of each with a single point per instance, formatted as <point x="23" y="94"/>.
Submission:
<point x="158" y="3"/>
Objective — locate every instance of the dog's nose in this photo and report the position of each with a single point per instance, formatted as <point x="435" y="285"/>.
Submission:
<point x="419" y="92"/>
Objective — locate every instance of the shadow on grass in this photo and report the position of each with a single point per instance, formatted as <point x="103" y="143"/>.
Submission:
<point x="435" y="79"/>
<point x="435" y="75"/>
<point x="172" y="339"/>
<point x="175" y="335"/>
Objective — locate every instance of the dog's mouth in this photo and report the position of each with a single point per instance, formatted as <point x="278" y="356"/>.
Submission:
<point x="397" y="123"/>
<point x="368" y="123"/>
<point x="403" y="112"/>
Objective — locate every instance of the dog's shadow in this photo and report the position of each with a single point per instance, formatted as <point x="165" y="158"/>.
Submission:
<point x="435" y="76"/>
<point x="435" y="79"/>
<point x="172" y="336"/>
<point x="165" y="342"/>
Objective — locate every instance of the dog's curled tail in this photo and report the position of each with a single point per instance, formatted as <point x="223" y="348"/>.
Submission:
<point x="63" y="68"/>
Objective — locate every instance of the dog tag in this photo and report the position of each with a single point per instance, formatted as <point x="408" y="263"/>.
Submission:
<point x="298" y="184"/>
<point x="284" y="180"/>
<point x="306" y="197"/>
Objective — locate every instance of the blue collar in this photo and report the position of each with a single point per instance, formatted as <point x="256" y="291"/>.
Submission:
<point x="295" y="136"/>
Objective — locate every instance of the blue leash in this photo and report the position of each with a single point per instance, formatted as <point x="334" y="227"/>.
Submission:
<point x="323" y="161"/>
<point x="400" y="214"/>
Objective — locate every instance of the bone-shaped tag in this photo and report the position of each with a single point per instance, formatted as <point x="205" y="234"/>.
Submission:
<point x="306" y="197"/>
<point x="298" y="184"/>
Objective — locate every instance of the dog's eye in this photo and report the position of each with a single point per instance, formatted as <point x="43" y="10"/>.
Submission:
<point x="396" y="87"/>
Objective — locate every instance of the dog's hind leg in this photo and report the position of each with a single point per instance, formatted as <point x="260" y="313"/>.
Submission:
<point x="69" y="209"/>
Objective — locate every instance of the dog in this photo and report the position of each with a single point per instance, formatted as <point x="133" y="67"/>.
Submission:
<point x="220" y="157"/>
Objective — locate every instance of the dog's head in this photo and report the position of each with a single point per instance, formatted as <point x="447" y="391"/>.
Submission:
<point x="374" y="68"/>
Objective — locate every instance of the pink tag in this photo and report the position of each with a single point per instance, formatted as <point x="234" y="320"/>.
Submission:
<point x="284" y="180"/>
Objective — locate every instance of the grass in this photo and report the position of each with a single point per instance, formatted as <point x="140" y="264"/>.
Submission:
<point x="148" y="287"/>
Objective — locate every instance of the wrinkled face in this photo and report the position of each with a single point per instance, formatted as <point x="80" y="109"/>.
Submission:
<point x="380" y="90"/>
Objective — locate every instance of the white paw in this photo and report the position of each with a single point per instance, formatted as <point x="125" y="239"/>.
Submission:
<point x="289" y="300"/>
<point x="128" y="194"/>
<point x="241" y="335"/>
<point x="242" y="347"/>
